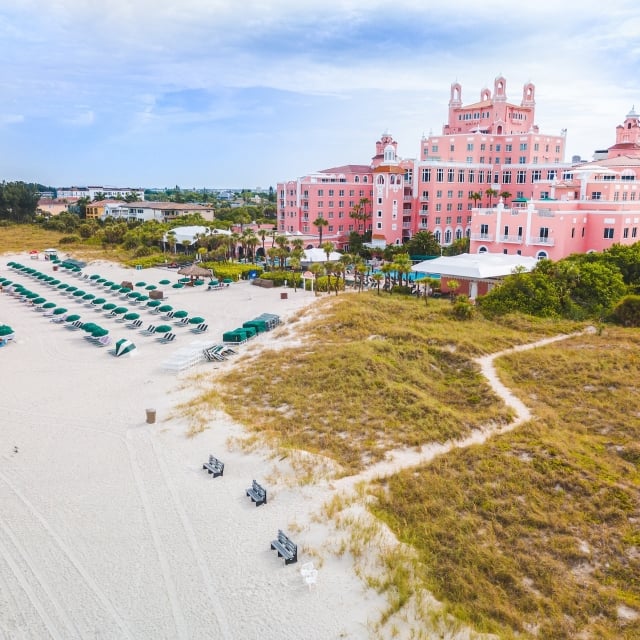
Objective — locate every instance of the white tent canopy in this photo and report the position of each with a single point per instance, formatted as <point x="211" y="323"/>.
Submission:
<point x="319" y="255"/>
<point x="479" y="266"/>
<point x="189" y="233"/>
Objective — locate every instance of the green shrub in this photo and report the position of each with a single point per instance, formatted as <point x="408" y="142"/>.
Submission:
<point x="462" y="308"/>
<point x="233" y="270"/>
<point x="282" y="276"/>
<point x="69" y="239"/>
<point x="145" y="262"/>
<point x="627" y="311"/>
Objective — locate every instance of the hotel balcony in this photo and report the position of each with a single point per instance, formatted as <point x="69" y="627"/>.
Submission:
<point x="515" y="239"/>
<point x="549" y="242"/>
<point x="407" y="198"/>
<point x="406" y="225"/>
<point x="487" y="237"/>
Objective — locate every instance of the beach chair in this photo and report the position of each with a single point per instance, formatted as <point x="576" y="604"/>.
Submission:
<point x="182" y="322"/>
<point x="149" y="330"/>
<point x="213" y="354"/>
<point x="166" y="338"/>
<point x="201" y="328"/>
<point x="168" y="315"/>
<point x="74" y="326"/>
<point x="136" y="324"/>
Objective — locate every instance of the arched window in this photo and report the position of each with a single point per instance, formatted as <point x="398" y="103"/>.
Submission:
<point x="541" y="255"/>
<point x="437" y="235"/>
<point x="380" y="180"/>
<point x="365" y="179"/>
<point x="392" y="179"/>
<point x="356" y="179"/>
<point x="458" y="234"/>
<point x="447" y="236"/>
<point x="482" y="250"/>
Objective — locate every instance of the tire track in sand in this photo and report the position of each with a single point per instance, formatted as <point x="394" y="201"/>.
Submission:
<point x="193" y="543"/>
<point x="91" y="583"/>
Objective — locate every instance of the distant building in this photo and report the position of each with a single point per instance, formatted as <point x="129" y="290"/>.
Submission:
<point x="55" y="206"/>
<point x="105" y="191"/>
<point x="161" y="211"/>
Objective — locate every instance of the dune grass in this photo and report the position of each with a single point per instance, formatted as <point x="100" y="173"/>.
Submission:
<point x="536" y="533"/>
<point x="375" y="373"/>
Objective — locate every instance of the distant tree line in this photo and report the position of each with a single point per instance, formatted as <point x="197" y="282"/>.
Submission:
<point x="18" y="201"/>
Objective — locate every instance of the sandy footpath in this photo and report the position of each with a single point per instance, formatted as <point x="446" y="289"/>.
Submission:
<point x="109" y="527"/>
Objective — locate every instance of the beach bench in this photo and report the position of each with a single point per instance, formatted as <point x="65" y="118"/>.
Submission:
<point x="181" y="322"/>
<point x="257" y="493"/>
<point x="74" y="326"/>
<point x="135" y="324"/>
<point x="166" y="338"/>
<point x="286" y="548"/>
<point x="214" y="466"/>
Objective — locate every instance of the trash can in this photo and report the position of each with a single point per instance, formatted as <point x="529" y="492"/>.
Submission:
<point x="151" y="416"/>
<point x="284" y="295"/>
<point x="55" y="267"/>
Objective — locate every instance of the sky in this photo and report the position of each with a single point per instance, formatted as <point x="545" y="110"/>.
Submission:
<point x="247" y="93"/>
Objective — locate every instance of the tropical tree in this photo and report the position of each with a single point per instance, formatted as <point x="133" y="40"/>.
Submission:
<point x="491" y="193"/>
<point x="505" y="195"/>
<point x="320" y="223"/>
<point x="377" y="278"/>
<point x="295" y="265"/>
<point x="100" y="195"/>
<point x="475" y="196"/>
<point x="453" y="286"/>
<point x="263" y="234"/>
<point x="423" y="243"/>
<point x="403" y="266"/>
<point x="171" y="239"/>
<point x="386" y="269"/>
<point x="328" y="248"/>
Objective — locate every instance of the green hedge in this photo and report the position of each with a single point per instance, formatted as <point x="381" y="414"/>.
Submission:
<point x="279" y="277"/>
<point x="145" y="262"/>
<point x="233" y="270"/>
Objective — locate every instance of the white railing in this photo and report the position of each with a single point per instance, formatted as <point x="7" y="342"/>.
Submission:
<point x="488" y="237"/>
<point x="549" y="242"/>
<point x="516" y="239"/>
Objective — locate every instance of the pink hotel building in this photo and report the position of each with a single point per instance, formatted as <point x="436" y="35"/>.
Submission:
<point x="553" y="208"/>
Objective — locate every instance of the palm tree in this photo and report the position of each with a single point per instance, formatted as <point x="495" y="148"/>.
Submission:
<point x="328" y="247"/>
<point x="491" y="193"/>
<point x="320" y="223"/>
<point x="171" y="239"/>
<point x="403" y="265"/>
<point x="263" y="234"/>
<point x="475" y="196"/>
<point x="386" y="269"/>
<point x="295" y="264"/>
<point x="377" y="278"/>
<point x="505" y="195"/>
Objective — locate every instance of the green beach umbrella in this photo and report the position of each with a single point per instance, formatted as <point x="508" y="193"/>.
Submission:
<point x="54" y="282"/>
<point x="131" y="316"/>
<point x="71" y="288"/>
<point x="152" y="304"/>
<point x="196" y="320"/>
<point x="107" y="283"/>
<point x="78" y="293"/>
<point x="165" y="282"/>
<point x="99" y="332"/>
<point x="72" y="318"/>
<point x="165" y="307"/>
<point x="98" y="301"/>
<point x="163" y="328"/>
<point x="101" y="280"/>
<point x="109" y="306"/>
<point x="180" y="314"/>
<point x="39" y="300"/>
<point x="59" y="311"/>
<point x="49" y="305"/>
<point x="62" y="286"/>
<point x="32" y="295"/>
<point x="124" y="346"/>
<point x="89" y="327"/>
<point x="134" y="295"/>
<point x="95" y="276"/>
<point x="140" y="284"/>
<point x="177" y="285"/>
<point x="88" y="296"/>
<point x="5" y="330"/>
<point x="120" y="310"/>
<point x="151" y="287"/>
<point x="184" y="280"/>
<point x="143" y="298"/>
<point x="124" y="290"/>
<point x="115" y="286"/>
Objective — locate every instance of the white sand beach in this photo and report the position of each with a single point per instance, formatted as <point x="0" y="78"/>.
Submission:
<point x="110" y="528"/>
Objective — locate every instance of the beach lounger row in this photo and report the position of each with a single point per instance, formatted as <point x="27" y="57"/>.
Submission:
<point x="218" y="353"/>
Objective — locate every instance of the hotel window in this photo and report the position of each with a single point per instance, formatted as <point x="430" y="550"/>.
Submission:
<point x="379" y="214"/>
<point x="616" y="195"/>
<point x="439" y="175"/>
<point x="472" y="175"/>
<point x="438" y="207"/>
<point x="469" y="159"/>
<point x="352" y="193"/>
<point x="320" y="203"/>
<point x="506" y="177"/>
<point x="330" y="227"/>
<point x="438" y="219"/>
<point x="634" y="232"/>
<point x="340" y="214"/>
<point x="330" y="192"/>
<point x="481" y="159"/>
<point x="536" y="147"/>
<point x="497" y="147"/>
<point x="450" y="193"/>
<point x="459" y="206"/>
<point x="507" y="160"/>
<point x="624" y="195"/>
<point x="448" y="220"/>
<point x="470" y="146"/>
<point x="573" y="232"/>
<point x="521" y="177"/>
<point x="522" y="160"/>
<point x="469" y="219"/>
<point x="551" y="174"/>
<point x="458" y="219"/>
<point x="320" y="192"/>
<point x="425" y="207"/>
<point x="508" y="147"/>
<point x="483" y="147"/>
<point x="331" y="204"/>
<point x="361" y="193"/>
<point x="452" y="147"/>
<point x="449" y="206"/>
<point x="425" y="195"/>
<point x="434" y="148"/>
<point x="379" y="200"/>
<point x="460" y="175"/>
<point x="341" y="227"/>
<point x="378" y="225"/>
<point x="536" y="175"/>
<point x="484" y="229"/>
<point x="633" y="195"/>
<point x="330" y="214"/>
<point x="625" y="233"/>
<point x="460" y="194"/>
<point x="523" y="146"/>
<point x="352" y="203"/>
<point x="596" y="195"/>
<point x="408" y="176"/>
<point x="608" y="232"/>
<point x="426" y="175"/>
<point x="544" y="233"/>
<point x="480" y="177"/>
<point x="497" y="161"/>
<point x="557" y="148"/>
<point x="451" y="175"/>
